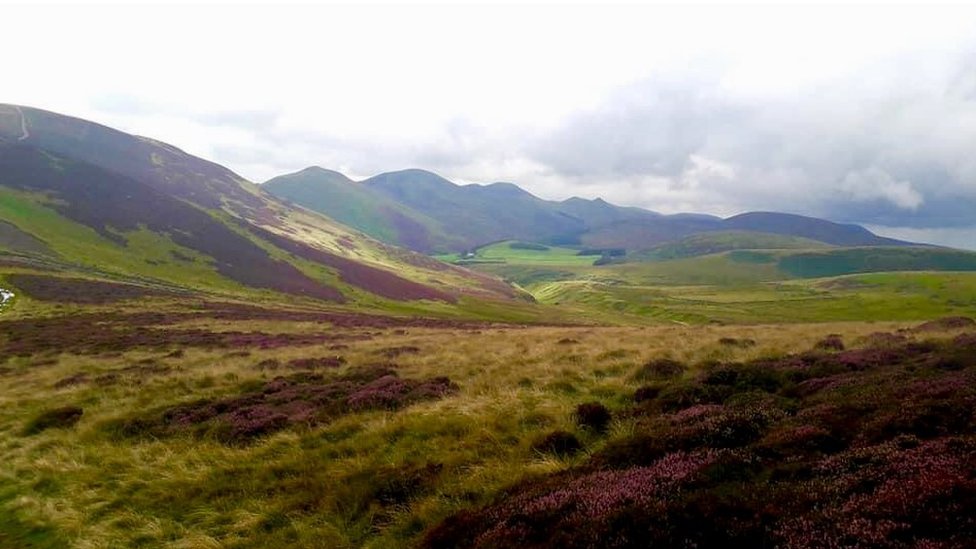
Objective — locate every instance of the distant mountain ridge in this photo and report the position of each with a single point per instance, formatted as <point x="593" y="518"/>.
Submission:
<point x="428" y="213"/>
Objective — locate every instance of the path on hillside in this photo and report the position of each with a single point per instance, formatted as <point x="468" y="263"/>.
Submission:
<point x="23" y="125"/>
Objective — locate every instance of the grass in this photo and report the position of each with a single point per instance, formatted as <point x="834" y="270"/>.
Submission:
<point x="517" y="253"/>
<point x="379" y="477"/>
<point x="739" y="286"/>
<point x="368" y="479"/>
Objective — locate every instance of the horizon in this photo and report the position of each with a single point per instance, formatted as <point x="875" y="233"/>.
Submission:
<point x="880" y="231"/>
<point x="674" y="109"/>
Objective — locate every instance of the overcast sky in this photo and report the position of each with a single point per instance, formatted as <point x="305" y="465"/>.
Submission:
<point x="864" y="114"/>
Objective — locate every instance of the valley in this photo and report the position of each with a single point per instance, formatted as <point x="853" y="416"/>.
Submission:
<point x="188" y="359"/>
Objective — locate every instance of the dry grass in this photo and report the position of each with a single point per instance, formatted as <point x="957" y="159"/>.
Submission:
<point x="324" y="485"/>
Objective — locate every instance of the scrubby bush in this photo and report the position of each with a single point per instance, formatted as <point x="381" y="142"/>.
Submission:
<point x="592" y="415"/>
<point x="560" y="443"/>
<point x="645" y="393"/>
<point x="833" y="342"/>
<point x="660" y="369"/>
<point x="741" y="343"/>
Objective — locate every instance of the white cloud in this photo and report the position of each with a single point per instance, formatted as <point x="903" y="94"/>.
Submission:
<point x="875" y="184"/>
<point x="719" y="108"/>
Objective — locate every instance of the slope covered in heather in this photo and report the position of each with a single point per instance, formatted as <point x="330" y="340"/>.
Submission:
<point x="82" y="198"/>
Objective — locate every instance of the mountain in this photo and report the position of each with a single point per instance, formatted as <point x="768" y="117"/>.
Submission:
<point x="809" y="227"/>
<point x="81" y="198"/>
<point x="360" y="206"/>
<point x="474" y="213"/>
<point x="428" y="213"/>
<point x="714" y="242"/>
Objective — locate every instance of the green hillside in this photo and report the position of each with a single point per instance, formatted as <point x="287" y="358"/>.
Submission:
<point x="145" y="213"/>
<point x="478" y="214"/>
<point x="723" y="241"/>
<point x="745" y="285"/>
<point x="359" y="206"/>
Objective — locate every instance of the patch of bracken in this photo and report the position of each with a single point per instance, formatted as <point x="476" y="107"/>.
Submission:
<point x="300" y="399"/>
<point x="57" y="418"/>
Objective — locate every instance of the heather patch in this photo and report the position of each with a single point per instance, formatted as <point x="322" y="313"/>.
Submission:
<point x="947" y="323"/>
<point x="833" y="342"/>
<point x="95" y="333"/>
<point x="80" y="290"/>
<point x="299" y="399"/>
<point x="869" y="447"/>
<point x="660" y="369"/>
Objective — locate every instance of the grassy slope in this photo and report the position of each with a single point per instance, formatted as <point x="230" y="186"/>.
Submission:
<point x="716" y="242"/>
<point x="128" y="240"/>
<point x="357" y="205"/>
<point x="328" y="485"/>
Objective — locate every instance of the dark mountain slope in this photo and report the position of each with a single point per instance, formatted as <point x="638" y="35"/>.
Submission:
<point x="808" y="227"/>
<point x="163" y="166"/>
<point x="78" y="196"/>
<point x="359" y="206"/>
<point x="477" y="214"/>
<point x="113" y="205"/>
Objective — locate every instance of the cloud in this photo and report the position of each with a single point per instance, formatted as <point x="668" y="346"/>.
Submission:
<point x="881" y="148"/>
<point x="750" y="108"/>
<point x="875" y="184"/>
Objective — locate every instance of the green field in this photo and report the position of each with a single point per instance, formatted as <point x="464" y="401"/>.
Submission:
<point x="515" y="253"/>
<point x="743" y="286"/>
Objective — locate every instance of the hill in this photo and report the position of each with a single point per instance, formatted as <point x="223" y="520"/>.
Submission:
<point x="809" y="227"/>
<point x="362" y="207"/>
<point x="477" y="214"/>
<point x="80" y="198"/>
<point x="428" y="213"/>
<point x="723" y="241"/>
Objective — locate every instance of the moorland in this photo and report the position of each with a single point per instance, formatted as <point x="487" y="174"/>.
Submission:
<point x="191" y="360"/>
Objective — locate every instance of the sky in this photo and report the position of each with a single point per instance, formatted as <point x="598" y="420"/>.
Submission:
<point x="863" y="114"/>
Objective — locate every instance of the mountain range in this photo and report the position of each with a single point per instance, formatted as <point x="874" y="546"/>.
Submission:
<point x="79" y="197"/>
<point x="83" y="201"/>
<point x="427" y="213"/>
